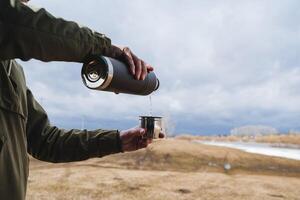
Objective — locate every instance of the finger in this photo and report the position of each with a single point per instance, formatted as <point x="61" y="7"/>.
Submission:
<point x="161" y="135"/>
<point x="138" y="67"/>
<point x="129" y="59"/>
<point x="144" y="70"/>
<point x="149" y="68"/>
<point x="142" y="132"/>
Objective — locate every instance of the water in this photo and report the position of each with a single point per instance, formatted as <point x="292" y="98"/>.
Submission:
<point x="150" y="109"/>
<point x="259" y="148"/>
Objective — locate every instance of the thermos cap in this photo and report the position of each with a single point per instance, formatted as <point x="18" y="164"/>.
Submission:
<point x="98" y="77"/>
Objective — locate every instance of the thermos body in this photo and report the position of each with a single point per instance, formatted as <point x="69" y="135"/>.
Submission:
<point x="108" y="74"/>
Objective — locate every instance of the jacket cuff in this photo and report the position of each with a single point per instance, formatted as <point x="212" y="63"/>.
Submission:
<point x="119" y="142"/>
<point x="101" y="42"/>
<point x="105" y="143"/>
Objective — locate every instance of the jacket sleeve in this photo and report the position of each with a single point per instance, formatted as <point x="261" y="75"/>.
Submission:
<point x="49" y="143"/>
<point x="27" y="33"/>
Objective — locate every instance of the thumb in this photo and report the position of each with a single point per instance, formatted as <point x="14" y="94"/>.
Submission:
<point x="142" y="131"/>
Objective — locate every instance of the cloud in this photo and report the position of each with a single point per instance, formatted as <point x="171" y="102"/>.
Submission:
<point x="220" y="64"/>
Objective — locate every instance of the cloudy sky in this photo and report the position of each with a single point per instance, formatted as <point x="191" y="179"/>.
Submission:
<point x="221" y="64"/>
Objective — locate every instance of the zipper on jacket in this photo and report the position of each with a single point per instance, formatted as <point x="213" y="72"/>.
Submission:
<point x="9" y="68"/>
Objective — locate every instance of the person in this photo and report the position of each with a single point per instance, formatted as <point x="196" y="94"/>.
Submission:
<point x="28" y="33"/>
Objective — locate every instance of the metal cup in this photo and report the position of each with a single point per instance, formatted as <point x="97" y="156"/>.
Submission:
<point x="153" y="126"/>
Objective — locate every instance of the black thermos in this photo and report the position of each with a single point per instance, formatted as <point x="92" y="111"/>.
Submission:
<point x="108" y="74"/>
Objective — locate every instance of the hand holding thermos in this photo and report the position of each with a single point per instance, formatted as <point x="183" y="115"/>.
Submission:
<point x="138" y="68"/>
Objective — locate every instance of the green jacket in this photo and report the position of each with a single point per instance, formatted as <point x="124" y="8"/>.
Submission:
<point x="24" y="125"/>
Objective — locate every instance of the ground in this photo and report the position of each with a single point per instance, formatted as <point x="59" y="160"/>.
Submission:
<point x="168" y="169"/>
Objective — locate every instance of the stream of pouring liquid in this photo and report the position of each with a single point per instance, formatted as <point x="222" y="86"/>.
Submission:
<point x="150" y="105"/>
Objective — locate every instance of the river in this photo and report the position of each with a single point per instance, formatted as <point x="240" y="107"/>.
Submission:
<point x="259" y="148"/>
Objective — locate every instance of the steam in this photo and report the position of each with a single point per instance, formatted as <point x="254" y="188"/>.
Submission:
<point x="168" y="125"/>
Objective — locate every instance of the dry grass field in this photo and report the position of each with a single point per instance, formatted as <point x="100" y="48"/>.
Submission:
<point x="168" y="169"/>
